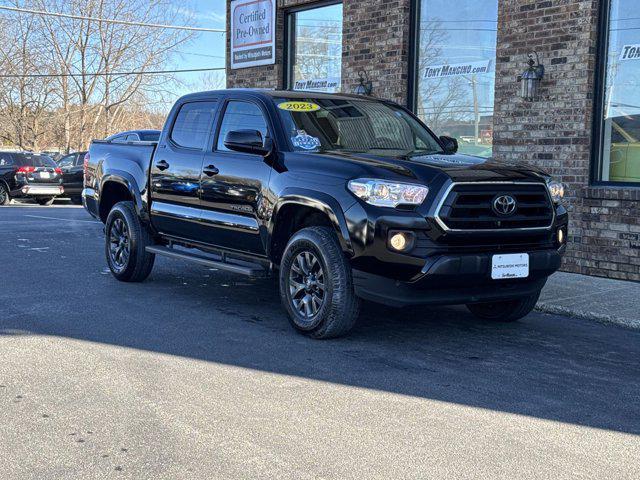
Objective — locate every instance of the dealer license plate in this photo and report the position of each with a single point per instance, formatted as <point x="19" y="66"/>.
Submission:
<point x="45" y="175"/>
<point x="515" y="265"/>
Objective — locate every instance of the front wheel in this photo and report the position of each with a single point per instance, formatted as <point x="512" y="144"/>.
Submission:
<point x="126" y="240"/>
<point x="506" y="310"/>
<point x="316" y="287"/>
<point x="45" y="200"/>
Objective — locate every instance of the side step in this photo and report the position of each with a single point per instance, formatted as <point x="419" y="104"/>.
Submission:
<point x="223" y="264"/>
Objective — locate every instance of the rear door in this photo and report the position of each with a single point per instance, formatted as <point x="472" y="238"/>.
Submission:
<point x="234" y="184"/>
<point x="175" y="170"/>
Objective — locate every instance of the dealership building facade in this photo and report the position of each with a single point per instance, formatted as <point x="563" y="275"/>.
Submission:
<point x="458" y="66"/>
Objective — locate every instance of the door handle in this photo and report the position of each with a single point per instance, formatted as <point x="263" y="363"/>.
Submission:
<point x="211" y="170"/>
<point x="162" y="165"/>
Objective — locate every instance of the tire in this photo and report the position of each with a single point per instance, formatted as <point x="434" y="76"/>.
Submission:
<point x="5" y="198"/>
<point x="45" y="200"/>
<point x="314" y="253"/>
<point x="125" y="233"/>
<point x="76" y="200"/>
<point x="505" y="311"/>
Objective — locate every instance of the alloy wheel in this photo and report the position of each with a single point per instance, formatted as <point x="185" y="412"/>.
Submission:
<point x="119" y="244"/>
<point x="306" y="285"/>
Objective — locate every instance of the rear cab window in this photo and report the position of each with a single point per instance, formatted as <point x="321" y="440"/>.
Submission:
<point x="6" y="160"/>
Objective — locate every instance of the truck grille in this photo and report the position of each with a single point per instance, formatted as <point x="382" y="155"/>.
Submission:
<point x="470" y="207"/>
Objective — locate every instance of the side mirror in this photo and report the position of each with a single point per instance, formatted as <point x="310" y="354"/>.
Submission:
<point x="449" y="144"/>
<point x="246" y="141"/>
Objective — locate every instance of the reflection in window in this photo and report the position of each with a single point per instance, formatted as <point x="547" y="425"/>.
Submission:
<point x="316" y="49"/>
<point x="456" y="74"/>
<point x="621" y="129"/>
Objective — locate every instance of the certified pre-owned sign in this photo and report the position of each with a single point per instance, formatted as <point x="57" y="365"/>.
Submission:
<point x="630" y="52"/>
<point x="252" y="33"/>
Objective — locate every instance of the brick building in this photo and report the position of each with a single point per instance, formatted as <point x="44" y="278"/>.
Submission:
<point x="455" y="64"/>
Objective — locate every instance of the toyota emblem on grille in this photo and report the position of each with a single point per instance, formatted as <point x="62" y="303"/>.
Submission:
<point x="504" y="205"/>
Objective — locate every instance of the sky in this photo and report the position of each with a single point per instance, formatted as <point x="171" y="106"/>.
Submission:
<point x="207" y="50"/>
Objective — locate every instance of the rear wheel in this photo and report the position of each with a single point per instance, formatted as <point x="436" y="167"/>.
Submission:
<point x="5" y="199"/>
<point x="316" y="286"/>
<point x="45" y="200"/>
<point x="126" y="240"/>
<point x="506" y="310"/>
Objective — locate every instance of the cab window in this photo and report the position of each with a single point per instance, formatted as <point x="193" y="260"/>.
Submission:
<point x="193" y="125"/>
<point x="241" y="116"/>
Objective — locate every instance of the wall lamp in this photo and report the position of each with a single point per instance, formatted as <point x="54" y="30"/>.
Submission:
<point x="531" y="78"/>
<point x="365" y="87"/>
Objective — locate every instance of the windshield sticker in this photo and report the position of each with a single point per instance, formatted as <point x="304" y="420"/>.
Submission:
<point x="304" y="141"/>
<point x="299" y="106"/>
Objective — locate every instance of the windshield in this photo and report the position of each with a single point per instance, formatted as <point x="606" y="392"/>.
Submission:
<point x="321" y="124"/>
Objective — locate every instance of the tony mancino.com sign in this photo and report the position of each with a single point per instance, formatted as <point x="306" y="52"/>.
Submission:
<point x="455" y="69"/>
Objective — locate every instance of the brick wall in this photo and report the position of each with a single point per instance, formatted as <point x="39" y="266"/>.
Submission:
<point x="555" y="131"/>
<point x="375" y="39"/>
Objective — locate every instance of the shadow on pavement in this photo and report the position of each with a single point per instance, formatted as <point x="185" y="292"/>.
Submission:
<point x="545" y="366"/>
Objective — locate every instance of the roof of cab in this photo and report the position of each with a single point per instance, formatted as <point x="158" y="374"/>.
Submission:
<point x="265" y="93"/>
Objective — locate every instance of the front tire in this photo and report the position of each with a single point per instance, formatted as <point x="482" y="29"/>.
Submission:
<point x="45" y="200"/>
<point x="316" y="286"/>
<point x="5" y="198"/>
<point x="126" y="239"/>
<point x="506" y="310"/>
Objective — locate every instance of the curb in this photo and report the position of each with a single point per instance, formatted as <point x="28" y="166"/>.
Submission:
<point x="629" y="323"/>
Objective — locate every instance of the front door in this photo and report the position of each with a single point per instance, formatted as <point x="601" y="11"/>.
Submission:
<point x="175" y="171"/>
<point x="233" y="185"/>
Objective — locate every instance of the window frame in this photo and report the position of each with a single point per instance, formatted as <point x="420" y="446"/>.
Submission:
<point x="600" y="81"/>
<point x="220" y="119"/>
<point x="289" y="37"/>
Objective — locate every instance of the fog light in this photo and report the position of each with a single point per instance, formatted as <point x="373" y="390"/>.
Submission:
<point x="401" y="241"/>
<point x="560" y="236"/>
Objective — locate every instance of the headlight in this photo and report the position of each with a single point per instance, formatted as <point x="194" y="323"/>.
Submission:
<point x="556" y="189"/>
<point x="388" y="194"/>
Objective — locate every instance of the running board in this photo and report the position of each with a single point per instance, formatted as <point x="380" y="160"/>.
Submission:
<point x="229" y="266"/>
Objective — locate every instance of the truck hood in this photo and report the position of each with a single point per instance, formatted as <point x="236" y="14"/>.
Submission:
<point x="425" y="168"/>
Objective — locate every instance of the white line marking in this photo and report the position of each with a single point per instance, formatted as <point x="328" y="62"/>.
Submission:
<point x="63" y="219"/>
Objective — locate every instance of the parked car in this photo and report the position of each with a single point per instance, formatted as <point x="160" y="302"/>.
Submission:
<point x="29" y="175"/>
<point x="342" y="197"/>
<point x="72" y="167"/>
<point x="135" y="136"/>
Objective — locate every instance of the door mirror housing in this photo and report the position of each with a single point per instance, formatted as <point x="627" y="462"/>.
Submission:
<point x="246" y="141"/>
<point x="449" y="144"/>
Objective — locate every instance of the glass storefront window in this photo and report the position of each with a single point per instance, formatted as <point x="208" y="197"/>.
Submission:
<point x="620" y="154"/>
<point x="456" y="74"/>
<point x="315" y="49"/>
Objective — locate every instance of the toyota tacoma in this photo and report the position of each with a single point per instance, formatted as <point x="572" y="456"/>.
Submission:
<point x="341" y="197"/>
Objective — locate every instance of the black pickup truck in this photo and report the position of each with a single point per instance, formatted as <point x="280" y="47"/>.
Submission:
<point x="341" y="197"/>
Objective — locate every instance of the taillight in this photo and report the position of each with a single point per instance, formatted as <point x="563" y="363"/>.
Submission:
<point x="26" y="169"/>
<point x="58" y="171"/>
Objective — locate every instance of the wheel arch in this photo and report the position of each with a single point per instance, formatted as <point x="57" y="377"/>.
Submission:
<point x="298" y="208"/>
<point x="113" y="185"/>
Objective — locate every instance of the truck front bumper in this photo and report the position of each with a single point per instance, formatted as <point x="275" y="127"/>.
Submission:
<point x="451" y="279"/>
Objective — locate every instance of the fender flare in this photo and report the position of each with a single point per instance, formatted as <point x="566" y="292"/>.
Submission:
<point x="126" y="179"/>
<point x="319" y="201"/>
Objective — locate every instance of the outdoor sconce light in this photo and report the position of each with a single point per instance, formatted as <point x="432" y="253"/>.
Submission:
<point x="531" y="78"/>
<point x="365" y="87"/>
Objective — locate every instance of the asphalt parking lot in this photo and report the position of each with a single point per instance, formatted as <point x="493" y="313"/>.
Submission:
<point x="196" y="373"/>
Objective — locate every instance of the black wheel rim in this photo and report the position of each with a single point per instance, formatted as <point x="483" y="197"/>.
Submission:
<point x="3" y="194"/>
<point x="119" y="244"/>
<point x="307" y="285"/>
